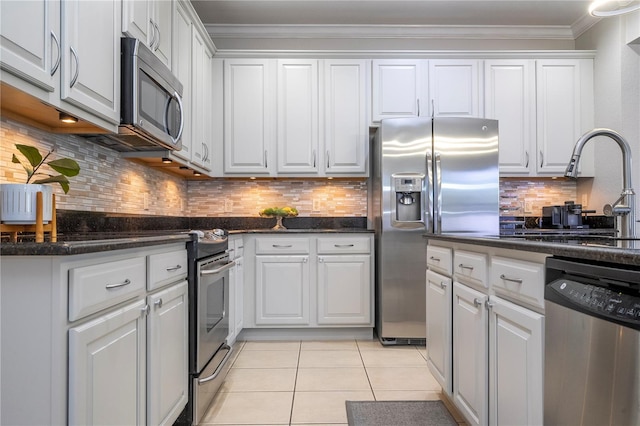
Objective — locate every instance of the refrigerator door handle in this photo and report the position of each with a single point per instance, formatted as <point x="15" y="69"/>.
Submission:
<point x="428" y="194"/>
<point x="437" y="202"/>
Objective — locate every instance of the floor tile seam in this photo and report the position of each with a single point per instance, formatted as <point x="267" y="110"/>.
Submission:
<point x="295" y="383"/>
<point x="367" y="374"/>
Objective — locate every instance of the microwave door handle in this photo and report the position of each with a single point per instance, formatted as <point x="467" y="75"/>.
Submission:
<point x="176" y="97"/>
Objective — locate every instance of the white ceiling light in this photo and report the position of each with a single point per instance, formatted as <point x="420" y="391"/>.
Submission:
<point x="603" y="8"/>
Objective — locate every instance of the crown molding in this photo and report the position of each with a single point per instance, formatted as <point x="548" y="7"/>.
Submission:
<point x="583" y="24"/>
<point x="493" y="32"/>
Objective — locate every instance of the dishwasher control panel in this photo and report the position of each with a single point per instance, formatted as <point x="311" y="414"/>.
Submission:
<point x="600" y="300"/>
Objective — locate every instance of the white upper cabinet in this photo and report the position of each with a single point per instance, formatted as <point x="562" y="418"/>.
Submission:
<point x="201" y="143"/>
<point x="297" y="123"/>
<point x="182" y="39"/>
<point x="510" y="99"/>
<point x="454" y="88"/>
<point x="249" y="121"/>
<point x="345" y="130"/>
<point x="564" y="95"/>
<point x="91" y="57"/>
<point x="30" y="41"/>
<point x="151" y="22"/>
<point x="398" y="87"/>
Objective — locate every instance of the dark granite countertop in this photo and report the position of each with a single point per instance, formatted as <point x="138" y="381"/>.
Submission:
<point x="597" y="249"/>
<point x="303" y="231"/>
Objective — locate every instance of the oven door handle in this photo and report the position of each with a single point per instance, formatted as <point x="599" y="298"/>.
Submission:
<point x="218" y="270"/>
<point x="220" y="366"/>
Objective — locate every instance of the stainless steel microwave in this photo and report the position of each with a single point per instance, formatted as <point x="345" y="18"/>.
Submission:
<point x="151" y="113"/>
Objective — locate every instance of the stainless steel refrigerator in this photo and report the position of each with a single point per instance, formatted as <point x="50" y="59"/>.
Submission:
<point x="429" y="175"/>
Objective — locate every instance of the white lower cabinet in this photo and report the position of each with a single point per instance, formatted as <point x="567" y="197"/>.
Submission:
<point x="515" y="364"/>
<point x="236" y="289"/>
<point x="282" y="290"/>
<point x="167" y="354"/>
<point x="344" y="289"/>
<point x="470" y="362"/>
<point x="107" y="368"/>
<point x="439" y="305"/>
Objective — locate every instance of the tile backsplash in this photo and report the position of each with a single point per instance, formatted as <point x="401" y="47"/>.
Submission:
<point x="108" y="183"/>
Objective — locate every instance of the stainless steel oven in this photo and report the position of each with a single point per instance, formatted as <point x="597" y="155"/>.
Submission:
<point x="209" y="353"/>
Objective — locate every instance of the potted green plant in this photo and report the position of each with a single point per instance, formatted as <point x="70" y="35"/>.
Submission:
<point x="19" y="200"/>
<point x="279" y="213"/>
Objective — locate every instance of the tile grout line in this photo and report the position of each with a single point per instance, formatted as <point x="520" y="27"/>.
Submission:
<point x="365" y="371"/>
<point x="295" y="383"/>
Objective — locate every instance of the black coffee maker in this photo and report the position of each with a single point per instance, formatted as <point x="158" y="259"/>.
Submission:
<point x="568" y="215"/>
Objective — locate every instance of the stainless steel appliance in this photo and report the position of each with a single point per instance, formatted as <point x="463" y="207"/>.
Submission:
<point x="151" y="113"/>
<point x="437" y="175"/>
<point x="208" y="319"/>
<point x="568" y="216"/>
<point x="592" y="343"/>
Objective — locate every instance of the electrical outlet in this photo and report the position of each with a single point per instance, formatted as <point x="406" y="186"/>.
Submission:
<point x="528" y="206"/>
<point x="228" y="205"/>
<point x="145" y="201"/>
<point x="316" y="205"/>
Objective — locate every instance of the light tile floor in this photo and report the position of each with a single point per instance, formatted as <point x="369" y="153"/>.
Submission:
<point x="308" y="382"/>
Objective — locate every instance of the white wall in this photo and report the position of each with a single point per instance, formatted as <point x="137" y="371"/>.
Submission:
<point x="617" y="106"/>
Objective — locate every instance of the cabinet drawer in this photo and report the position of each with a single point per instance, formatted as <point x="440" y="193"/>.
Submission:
<point x="96" y="287"/>
<point x="519" y="279"/>
<point x="282" y="245"/>
<point x="344" y="245"/>
<point x="470" y="267"/>
<point x="439" y="259"/>
<point x="166" y="268"/>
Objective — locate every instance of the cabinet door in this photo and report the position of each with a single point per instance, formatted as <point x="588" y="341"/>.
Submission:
<point x="398" y="87"/>
<point x="249" y="120"/>
<point x="202" y="102"/>
<point x="345" y="116"/>
<point x="282" y="290"/>
<point x="239" y="296"/>
<point x="91" y="57"/>
<point x="560" y="109"/>
<point x="231" y="337"/>
<point x="30" y="41"/>
<point x="137" y="17"/>
<point x="515" y="368"/>
<point x="107" y="368"/>
<point x="182" y="58"/>
<point x="509" y="90"/>
<point x="439" y="332"/>
<point x="297" y="129"/>
<point x="344" y="290"/>
<point x="162" y="21"/>
<point x="454" y="88"/>
<point x="470" y="359"/>
<point x="168" y="345"/>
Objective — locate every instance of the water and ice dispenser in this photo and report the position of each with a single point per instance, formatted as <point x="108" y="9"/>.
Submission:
<point x="407" y="190"/>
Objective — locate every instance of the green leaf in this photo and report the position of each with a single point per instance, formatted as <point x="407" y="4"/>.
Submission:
<point x="27" y="169"/>
<point x="63" y="181"/>
<point x="32" y="154"/>
<point x="65" y="166"/>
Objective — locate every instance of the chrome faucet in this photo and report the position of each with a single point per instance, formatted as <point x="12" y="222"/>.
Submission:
<point x="627" y="211"/>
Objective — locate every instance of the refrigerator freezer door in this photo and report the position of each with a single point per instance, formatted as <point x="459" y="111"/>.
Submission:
<point x="467" y="189"/>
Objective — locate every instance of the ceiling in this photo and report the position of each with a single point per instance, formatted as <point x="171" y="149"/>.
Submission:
<point x="228" y="20"/>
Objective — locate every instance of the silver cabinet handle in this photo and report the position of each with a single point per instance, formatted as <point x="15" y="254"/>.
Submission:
<point x="527" y="154"/>
<point x="281" y="245"/>
<point x="343" y="245"/>
<point x="435" y="259"/>
<point x="122" y="284"/>
<point x="541" y="158"/>
<point x="155" y="25"/>
<point x="153" y="30"/>
<point x="305" y="260"/>
<point x="218" y="270"/>
<point x="321" y="260"/>
<point x="174" y="268"/>
<point x="75" y="76"/>
<point x="57" y="64"/>
<point x="314" y="158"/>
<point x="328" y="160"/>
<point x="158" y="303"/>
<point x="477" y="302"/>
<point x="418" y="106"/>
<point x="145" y="310"/>
<point x="463" y="266"/>
<point x="513" y="280"/>
<point x="443" y="285"/>
<point x="488" y="305"/>
<point x="266" y="165"/>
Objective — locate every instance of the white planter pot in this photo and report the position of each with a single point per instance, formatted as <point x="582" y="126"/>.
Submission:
<point x="18" y="203"/>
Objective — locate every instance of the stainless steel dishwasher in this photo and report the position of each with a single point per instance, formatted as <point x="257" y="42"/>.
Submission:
<point x="592" y="343"/>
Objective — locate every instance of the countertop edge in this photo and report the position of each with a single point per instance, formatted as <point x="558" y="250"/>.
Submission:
<point x="592" y="252"/>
